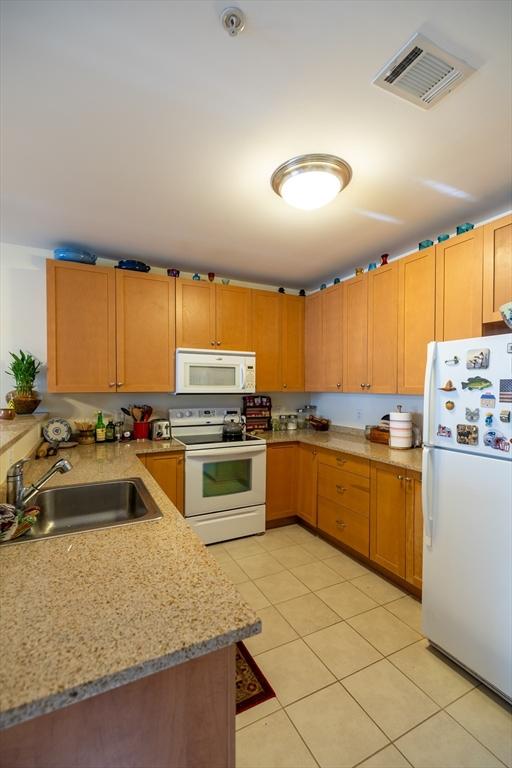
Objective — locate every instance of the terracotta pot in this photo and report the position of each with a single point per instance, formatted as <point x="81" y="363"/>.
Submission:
<point x="24" y="404"/>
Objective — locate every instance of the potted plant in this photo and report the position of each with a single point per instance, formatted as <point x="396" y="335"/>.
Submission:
<point x="24" y="368"/>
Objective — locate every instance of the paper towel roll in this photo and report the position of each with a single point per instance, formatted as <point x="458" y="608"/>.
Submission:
<point x="400" y="429"/>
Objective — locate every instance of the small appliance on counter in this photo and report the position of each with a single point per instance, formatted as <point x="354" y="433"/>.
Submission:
<point x="400" y="429"/>
<point x="159" y="429"/>
<point x="257" y="410"/>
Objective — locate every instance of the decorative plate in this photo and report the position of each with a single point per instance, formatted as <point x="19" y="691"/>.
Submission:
<point x="57" y="431"/>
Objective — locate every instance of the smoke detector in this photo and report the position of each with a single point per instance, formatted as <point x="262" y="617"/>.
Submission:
<point x="233" y="21"/>
<point x="422" y="73"/>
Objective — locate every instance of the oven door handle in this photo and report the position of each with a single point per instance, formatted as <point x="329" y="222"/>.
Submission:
<point x="211" y="453"/>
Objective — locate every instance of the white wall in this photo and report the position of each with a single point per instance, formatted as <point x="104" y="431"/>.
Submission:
<point x="23" y="326"/>
<point x="358" y="410"/>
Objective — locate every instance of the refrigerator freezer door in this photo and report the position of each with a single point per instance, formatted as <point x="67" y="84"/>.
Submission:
<point x="467" y="569"/>
<point x="461" y="399"/>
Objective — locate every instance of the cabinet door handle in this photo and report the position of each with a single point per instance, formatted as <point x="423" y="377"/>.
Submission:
<point x="212" y="343"/>
<point x="367" y="386"/>
<point x="120" y="383"/>
<point x="401" y="477"/>
<point x="218" y="343"/>
<point x="111" y="383"/>
<point x="362" y="386"/>
<point x="338" y="385"/>
<point x="341" y="488"/>
<point x="285" y="386"/>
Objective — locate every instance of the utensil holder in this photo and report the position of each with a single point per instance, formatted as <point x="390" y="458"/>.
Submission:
<point x="141" y="430"/>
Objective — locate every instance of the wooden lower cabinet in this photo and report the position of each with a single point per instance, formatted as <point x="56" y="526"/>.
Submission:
<point x="167" y="469"/>
<point x="414" y="531"/>
<point x="307" y="483"/>
<point x="343" y="524"/>
<point x="281" y="495"/>
<point x="152" y="721"/>
<point x="396" y="525"/>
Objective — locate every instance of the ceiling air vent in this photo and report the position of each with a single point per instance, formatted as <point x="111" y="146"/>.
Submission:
<point x="422" y="73"/>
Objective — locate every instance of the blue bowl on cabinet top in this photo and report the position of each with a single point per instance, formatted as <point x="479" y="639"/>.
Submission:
<point x="71" y="254"/>
<point x="135" y="266"/>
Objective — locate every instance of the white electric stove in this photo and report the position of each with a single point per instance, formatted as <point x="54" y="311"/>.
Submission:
<point x="224" y="476"/>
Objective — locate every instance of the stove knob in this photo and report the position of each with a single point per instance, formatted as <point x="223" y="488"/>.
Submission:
<point x="178" y="414"/>
<point x="188" y="413"/>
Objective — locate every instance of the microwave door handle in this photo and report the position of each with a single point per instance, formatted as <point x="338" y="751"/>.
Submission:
<point x="242" y="376"/>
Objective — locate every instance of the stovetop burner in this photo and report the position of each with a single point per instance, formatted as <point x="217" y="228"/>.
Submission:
<point x="216" y="439"/>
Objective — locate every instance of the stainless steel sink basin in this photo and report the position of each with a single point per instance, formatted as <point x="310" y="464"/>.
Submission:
<point x="88" y="507"/>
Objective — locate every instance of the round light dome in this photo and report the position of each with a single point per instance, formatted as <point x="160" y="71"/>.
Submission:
<point x="311" y="181"/>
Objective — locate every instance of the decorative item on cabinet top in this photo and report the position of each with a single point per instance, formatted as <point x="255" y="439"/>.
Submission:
<point x="132" y="265"/>
<point x="71" y="254"/>
<point x="173" y="272"/>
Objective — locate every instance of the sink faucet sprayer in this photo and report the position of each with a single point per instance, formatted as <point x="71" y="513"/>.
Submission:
<point x="17" y="493"/>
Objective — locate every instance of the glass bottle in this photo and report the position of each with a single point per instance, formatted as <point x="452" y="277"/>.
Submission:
<point x="110" y="432"/>
<point x="100" y="428"/>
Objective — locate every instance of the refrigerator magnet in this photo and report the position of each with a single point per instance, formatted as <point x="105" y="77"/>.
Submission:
<point x="477" y="358"/>
<point x="496" y="440"/>
<point x="488" y="420"/>
<point x="488" y="400"/>
<point x="448" y="386"/>
<point x="449" y="405"/>
<point x="467" y="434"/>
<point x="472" y="414"/>
<point x="505" y="416"/>
<point x="505" y="390"/>
<point x="443" y="431"/>
<point x="452" y="361"/>
<point x="474" y="383"/>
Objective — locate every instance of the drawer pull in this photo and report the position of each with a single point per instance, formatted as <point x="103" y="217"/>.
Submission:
<point x="341" y="524"/>
<point x="341" y="488"/>
<point x="341" y="461"/>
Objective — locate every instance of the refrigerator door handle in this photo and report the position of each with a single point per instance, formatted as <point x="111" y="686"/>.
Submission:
<point x="427" y="400"/>
<point x="426" y="496"/>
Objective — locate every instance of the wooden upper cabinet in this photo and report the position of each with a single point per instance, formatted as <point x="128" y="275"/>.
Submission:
<point x="497" y="288"/>
<point x="416" y="317"/>
<point x="145" y="333"/>
<point x="266" y="339"/>
<point x="81" y="327"/>
<point x="281" y="492"/>
<point x="332" y="342"/>
<point x="313" y="344"/>
<point x="233" y="324"/>
<point x="195" y="314"/>
<point x="292" y="343"/>
<point x="355" y="334"/>
<point x="382" y="329"/>
<point x="387" y="517"/>
<point x="459" y="286"/>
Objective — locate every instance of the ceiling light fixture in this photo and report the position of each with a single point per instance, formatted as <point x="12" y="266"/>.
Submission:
<point x="311" y="181"/>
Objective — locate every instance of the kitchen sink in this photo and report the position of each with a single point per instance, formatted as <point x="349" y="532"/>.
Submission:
<point x="89" y="507"/>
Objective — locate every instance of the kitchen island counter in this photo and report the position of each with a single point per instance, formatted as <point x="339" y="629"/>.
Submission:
<point x="88" y="612"/>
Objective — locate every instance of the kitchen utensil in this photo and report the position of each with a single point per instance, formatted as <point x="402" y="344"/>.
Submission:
<point x="137" y="413"/>
<point x="57" y="431"/>
<point x="233" y="427"/>
<point x="159" y="429"/>
<point x="126" y="411"/>
<point x="147" y="412"/>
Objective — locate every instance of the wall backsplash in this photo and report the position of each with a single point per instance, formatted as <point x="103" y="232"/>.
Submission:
<point x="358" y="410"/>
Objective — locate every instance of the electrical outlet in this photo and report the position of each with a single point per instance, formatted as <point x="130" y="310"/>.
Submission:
<point x="359" y="414"/>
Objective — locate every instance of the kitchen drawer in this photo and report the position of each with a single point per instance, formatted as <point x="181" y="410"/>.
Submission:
<point x="347" y="527"/>
<point x="345" y="488"/>
<point x="346" y="462"/>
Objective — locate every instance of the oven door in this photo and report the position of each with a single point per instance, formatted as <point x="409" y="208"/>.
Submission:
<point x="220" y="479"/>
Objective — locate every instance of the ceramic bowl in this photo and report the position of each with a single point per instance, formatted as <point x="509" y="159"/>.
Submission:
<point x="7" y="413"/>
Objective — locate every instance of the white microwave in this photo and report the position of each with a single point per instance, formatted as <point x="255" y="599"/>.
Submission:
<point x="201" y="371"/>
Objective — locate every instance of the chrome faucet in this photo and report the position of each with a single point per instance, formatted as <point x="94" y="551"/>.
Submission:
<point x="17" y="493"/>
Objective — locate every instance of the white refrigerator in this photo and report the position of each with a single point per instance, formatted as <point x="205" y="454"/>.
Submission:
<point x="467" y="505"/>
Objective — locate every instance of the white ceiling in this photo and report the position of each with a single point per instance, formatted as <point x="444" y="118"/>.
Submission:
<point x="140" y="128"/>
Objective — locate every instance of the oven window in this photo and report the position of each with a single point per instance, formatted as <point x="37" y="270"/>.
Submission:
<point x="223" y="478"/>
<point x="212" y="376"/>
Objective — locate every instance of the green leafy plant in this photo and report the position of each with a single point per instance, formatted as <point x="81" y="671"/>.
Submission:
<point x="24" y="369"/>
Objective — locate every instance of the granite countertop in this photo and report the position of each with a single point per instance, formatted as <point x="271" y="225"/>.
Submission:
<point x="349" y="441"/>
<point x="12" y="431"/>
<point x="84" y="613"/>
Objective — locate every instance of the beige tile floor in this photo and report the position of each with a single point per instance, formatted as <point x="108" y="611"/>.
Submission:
<point x="356" y="682"/>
